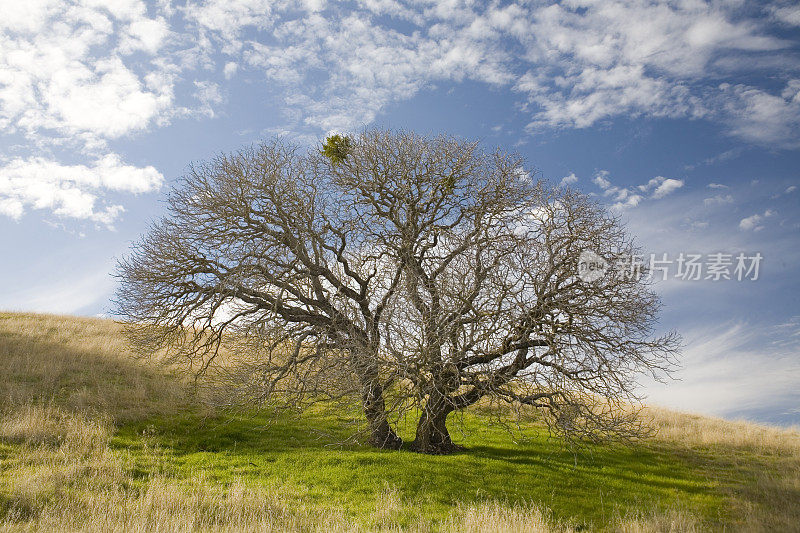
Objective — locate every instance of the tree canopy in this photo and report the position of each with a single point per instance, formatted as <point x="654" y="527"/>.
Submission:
<point x="401" y="273"/>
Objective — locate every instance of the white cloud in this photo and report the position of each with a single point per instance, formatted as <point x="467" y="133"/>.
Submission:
<point x="109" y="102"/>
<point x="63" y="76"/>
<point x="145" y="35"/>
<point x="61" y="294"/>
<point x="82" y="73"/>
<point x="626" y="200"/>
<point x="661" y="186"/>
<point x="735" y="369"/>
<point x="567" y="180"/>
<point x="790" y="189"/>
<point x="753" y="222"/>
<point x="717" y="186"/>
<point x="230" y="69"/>
<point x="11" y="207"/>
<point x="718" y="200"/>
<point x="575" y="63"/>
<point x="761" y="117"/>
<point x="750" y="222"/>
<point x="209" y="95"/>
<point x="601" y="179"/>
<point x="71" y="191"/>
<point x="666" y="187"/>
<point x="228" y="18"/>
<point x="789" y="15"/>
<point x="654" y="182"/>
<point x="358" y="67"/>
<point x="624" y="197"/>
<point x="599" y="60"/>
<point x="27" y="16"/>
<point x="75" y="76"/>
<point x="728" y="367"/>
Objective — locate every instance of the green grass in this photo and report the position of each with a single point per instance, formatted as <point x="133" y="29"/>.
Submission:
<point x="302" y="457"/>
<point x="728" y="475"/>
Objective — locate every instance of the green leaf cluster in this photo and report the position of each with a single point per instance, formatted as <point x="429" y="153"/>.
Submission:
<point x="336" y="147"/>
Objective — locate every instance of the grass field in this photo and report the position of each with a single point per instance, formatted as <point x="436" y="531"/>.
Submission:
<point x="91" y="439"/>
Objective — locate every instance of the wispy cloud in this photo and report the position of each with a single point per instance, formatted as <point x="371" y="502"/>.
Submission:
<point x="719" y="375"/>
<point x="718" y="200"/>
<point x="761" y="117"/>
<point x="68" y="295"/>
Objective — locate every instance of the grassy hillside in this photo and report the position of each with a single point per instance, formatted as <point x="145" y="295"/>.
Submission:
<point x="91" y="439"/>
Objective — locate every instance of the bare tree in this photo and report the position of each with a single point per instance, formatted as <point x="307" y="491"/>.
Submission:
<point x="404" y="271"/>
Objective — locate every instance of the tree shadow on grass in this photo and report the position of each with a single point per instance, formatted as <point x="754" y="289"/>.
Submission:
<point x="161" y="425"/>
<point x="307" y="452"/>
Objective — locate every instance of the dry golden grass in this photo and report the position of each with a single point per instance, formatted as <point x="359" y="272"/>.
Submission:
<point x="672" y="521"/>
<point x="65" y="382"/>
<point x="705" y="431"/>
<point x="757" y="465"/>
<point x="83" y="365"/>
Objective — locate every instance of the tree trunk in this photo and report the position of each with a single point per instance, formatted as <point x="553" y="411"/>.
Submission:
<point x="381" y="433"/>
<point x="432" y="436"/>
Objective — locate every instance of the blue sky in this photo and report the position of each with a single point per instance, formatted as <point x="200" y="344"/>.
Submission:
<point x="684" y="117"/>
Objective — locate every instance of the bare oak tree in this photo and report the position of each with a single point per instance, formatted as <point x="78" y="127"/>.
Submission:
<point x="402" y="272"/>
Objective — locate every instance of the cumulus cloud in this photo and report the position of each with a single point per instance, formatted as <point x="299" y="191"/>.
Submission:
<point x="359" y="66"/>
<point x="228" y="18"/>
<point x="143" y="34"/>
<point x="625" y="197"/>
<point x="63" y="71"/>
<point x="753" y="222"/>
<point x="750" y="222"/>
<point x="594" y="61"/>
<point x="71" y="191"/>
<point x="230" y="69"/>
<point x="576" y="63"/>
<point x="666" y="187"/>
<point x="661" y="186"/>
<point x="75" y="76"/>
<point x="601" y="179"/>
<point x="84" y="73"/>
<point x="568" y="180"/>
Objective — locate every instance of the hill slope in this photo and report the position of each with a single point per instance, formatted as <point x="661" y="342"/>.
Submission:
<point x="91" y="439"/>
